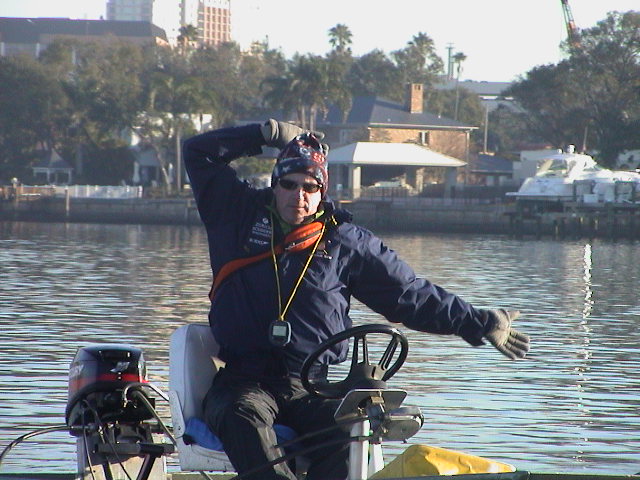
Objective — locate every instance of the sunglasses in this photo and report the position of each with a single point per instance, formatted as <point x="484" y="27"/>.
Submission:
<point x="306" y="187"/>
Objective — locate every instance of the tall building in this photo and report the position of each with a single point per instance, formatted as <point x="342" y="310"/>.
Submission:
<point x="212" y="19"/>
<point x="131" y="10"/>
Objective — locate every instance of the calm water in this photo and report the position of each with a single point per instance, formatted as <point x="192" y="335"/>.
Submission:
<point x="573" y="406"/>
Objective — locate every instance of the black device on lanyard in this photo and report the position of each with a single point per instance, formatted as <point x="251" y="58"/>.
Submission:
<point x="279" y="333"/>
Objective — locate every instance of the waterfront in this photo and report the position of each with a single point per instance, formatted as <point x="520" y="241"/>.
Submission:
<point x="407" y="214"/>
<point x="571" y="407"/>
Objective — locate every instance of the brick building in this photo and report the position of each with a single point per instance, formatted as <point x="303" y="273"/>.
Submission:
<point x="439" y="146"/>
<point x="212" y="19"/>
<point x="375" y="119"/>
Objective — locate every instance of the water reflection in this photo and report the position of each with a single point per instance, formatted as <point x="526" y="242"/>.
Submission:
<point x="571" y="407"/>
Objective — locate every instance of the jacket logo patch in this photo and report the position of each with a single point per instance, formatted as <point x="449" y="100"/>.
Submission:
<point x="260" y="234"/>
<point x="261" y="228"/>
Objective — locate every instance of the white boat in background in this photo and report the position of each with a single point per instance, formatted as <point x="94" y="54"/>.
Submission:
<point x="573" y="177"/>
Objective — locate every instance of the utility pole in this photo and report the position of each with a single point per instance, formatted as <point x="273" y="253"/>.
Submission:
<point x="486" y="126"/>
<point x="450" y="61"/>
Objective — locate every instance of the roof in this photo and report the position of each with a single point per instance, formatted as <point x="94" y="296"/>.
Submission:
<point x="28" y="30"/>
<point x="378" y="153"/>
<point x="50" y="159"/>
<point x="488" y="89"/>
<point x="491" y="164"/>
<point x="378" y="111"/>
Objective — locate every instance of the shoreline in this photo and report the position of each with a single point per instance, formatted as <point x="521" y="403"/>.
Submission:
<point x="409" y="214"/>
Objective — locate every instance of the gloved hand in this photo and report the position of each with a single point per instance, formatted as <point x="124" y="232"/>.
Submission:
<point x="507" y="340"/>
<point x="279" y="134"/>
<point x="324" y="146"/>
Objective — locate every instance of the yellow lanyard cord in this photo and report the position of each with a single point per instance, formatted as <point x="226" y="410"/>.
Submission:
<point x="281" y="312"/>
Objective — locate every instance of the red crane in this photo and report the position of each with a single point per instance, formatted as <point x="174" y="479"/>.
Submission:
<point x="573" y="34"/>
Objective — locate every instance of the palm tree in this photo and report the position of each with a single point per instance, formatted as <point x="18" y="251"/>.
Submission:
<point x="278" y="92"/>
<point x="312" y="87"/>
<point x="172" y="100"/>
<point x="418" y="61"/>
<point x="458" y="58"/>
<point x="188" y="35"/>
<point x="340" y="38"/>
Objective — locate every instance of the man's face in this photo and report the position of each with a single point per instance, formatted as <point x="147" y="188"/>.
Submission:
<point x="295" y="199"/>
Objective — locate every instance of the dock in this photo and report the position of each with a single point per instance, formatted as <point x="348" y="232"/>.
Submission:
<point x="576" y="220"/>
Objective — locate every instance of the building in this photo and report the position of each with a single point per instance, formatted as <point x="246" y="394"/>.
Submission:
<point x="51" y="169"/>
<point x="130" y="10"/>
<point x="490" y="170"/>
<point x="400" y="168"/>
<point x="384" y="147"/>
<point x="33" y="35"/>
<point x="420" y="148"/>
<point x="212" y="19"/>
<point x="375" y="119"/>
<point x="492" y="94"/>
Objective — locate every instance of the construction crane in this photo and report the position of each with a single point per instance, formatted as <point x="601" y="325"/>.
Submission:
<point x="573" y="34"/>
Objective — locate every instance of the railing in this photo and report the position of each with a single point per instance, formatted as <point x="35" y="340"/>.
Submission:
<point x="99" y="191"/>
<point x="431" y="195"/>
<point x="33" y="192"/>
<point x="25" y="192"/>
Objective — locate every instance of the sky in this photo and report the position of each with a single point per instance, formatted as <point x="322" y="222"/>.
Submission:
<point x="502" y="39"/>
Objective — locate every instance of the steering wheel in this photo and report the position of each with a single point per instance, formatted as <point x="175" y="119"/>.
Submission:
<point x="362" y="373"/>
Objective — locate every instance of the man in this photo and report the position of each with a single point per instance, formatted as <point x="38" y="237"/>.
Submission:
<point x="286" y="264"/>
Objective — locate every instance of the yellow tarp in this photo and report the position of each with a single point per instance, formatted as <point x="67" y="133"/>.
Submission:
<point x="421" y="460"/>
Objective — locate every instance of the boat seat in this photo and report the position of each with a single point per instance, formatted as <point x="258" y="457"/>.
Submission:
<point x="191" y="370"/>
<point x="192" y="366"/>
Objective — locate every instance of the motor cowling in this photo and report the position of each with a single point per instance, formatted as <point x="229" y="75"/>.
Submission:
<point x="97" y="377"/>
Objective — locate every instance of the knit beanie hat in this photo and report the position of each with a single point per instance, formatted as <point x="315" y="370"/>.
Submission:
<point x="304" y="154"/>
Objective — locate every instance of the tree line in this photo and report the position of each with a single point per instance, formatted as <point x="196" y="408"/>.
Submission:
<point x="591" y="99"/>
<point x="80" y="97"/>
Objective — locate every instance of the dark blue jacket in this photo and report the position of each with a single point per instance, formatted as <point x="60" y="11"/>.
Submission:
<point x="350" y="261"/>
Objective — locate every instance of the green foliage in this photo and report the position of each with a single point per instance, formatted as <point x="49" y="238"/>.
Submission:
<point x="80" y="96"/>
<point x="445" y="103"/>
<point x="33" y="111"/>
<point x="111" y="164"/>
<point x="248" y="166"/>
<point x="188" y="35"/>
<point x="340" y="38"/>
<point x="374" y="73"/>
<point x="418" y="62"/>
<point x="555" y="110"/>
<point x="509" y="131"/>
<point x="593" y="97"/>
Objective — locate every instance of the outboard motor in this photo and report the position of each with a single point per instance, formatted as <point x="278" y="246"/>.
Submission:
<point x="108" y="410"/>
<point x="97" y="378"/>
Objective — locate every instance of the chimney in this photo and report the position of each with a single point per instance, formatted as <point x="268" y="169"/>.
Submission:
<point x="415" y="98"/>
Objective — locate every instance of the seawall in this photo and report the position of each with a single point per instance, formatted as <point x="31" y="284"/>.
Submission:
<point x="404" y="214"/>
<point x="98" y="210"/>
<point x="421" y="216"/>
